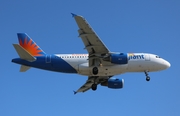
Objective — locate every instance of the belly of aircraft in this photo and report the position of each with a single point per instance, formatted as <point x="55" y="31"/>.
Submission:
<point x="84" y="69"/>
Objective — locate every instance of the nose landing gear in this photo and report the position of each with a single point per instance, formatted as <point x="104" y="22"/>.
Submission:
<point x="147" y="76"/>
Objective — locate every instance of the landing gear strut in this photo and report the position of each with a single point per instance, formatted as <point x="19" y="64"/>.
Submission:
<point x="95" y="70"/>
<point x="94" y="85"/>
<point x="147" y="76"/>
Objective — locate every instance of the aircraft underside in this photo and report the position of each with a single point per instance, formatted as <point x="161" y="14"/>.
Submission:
<point x="100" y="64"/>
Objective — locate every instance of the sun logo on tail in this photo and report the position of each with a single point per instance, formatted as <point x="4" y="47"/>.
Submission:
<point x="30" y="46"/>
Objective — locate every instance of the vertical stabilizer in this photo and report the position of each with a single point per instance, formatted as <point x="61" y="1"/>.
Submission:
<point x="29" y="45"/>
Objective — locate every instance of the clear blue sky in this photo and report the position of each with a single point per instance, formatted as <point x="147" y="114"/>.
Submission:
<point x="123" y="25"/>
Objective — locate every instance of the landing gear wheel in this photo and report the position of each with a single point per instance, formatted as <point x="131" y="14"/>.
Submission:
<point x="147" y="78"/>
<point x="94" y="87"/>
<point x="95" y="70"/>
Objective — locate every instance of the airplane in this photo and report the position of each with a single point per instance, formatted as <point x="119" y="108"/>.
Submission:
<point x="100" y="64"/>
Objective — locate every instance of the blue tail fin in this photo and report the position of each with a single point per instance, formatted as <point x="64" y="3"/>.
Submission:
<point x="29" y="45"/>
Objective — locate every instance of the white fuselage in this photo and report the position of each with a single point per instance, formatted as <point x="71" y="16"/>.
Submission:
<point x="137" y="62"/>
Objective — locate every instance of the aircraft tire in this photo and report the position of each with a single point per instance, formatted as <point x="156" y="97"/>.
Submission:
<point x="95" y="70"/>
<point x="94" y="87"/>
<point x="147" y="78"/>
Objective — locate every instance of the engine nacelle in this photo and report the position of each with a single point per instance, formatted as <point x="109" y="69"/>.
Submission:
<point x="114" y="83"/>
<point x="116" y="58"/>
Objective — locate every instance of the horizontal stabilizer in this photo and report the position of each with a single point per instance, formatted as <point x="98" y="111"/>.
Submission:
<point x="24" y="68"/>
<point x="23" y="54"/>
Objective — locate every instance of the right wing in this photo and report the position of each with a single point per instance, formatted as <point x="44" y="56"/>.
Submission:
<point x="93" y="44"/>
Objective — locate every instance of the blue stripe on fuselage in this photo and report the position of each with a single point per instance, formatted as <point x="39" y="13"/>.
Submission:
<point x="61" y="65"/>
<point x="56" y="64"/>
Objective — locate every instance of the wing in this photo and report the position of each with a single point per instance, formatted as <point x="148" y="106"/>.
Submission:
<point x="95" y="47"/>
<point x="90" y="81"/>
<point x="86" y="86"/>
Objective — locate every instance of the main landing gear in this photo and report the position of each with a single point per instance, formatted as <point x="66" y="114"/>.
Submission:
<point x="95" y="70"/>
<point x="147" y="76"/>
<point x="94" y="87"/>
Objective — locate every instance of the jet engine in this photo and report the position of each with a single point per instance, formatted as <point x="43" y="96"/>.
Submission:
<point x="114" y="83"/>
<point x="115" y="58"/>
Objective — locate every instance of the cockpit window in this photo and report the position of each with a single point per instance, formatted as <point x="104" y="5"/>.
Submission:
<point x="157" y="57"/>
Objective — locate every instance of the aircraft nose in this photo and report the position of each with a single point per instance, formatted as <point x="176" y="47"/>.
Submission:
<point x="167" y="64"/>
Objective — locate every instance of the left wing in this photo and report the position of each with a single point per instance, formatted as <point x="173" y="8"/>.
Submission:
<point x="91" y="80"/>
